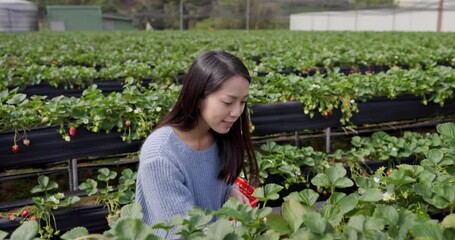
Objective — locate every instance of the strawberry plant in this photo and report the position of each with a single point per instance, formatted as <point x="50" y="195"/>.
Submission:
<point x="112" y="198"/>
<point x="47" y="203"/>
<point x="332" y="177"/>
<point x="287" y="161"/>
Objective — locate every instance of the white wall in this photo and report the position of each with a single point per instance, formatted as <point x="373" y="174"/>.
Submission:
<point x="420" y="3"/>
<point x="374" y="20"/>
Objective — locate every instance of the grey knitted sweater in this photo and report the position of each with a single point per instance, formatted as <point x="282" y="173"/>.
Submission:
<point x="173" y="178"/>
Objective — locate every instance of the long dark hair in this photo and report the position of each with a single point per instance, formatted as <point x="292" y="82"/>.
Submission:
<point x="205" y="76"/>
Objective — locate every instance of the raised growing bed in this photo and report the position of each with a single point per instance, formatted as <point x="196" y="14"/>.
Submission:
<point x="370" y="166"/>
<point x="92" y="217"/>
<point x="106" y="86"/>
<point x="47" y="146"/>
<point x="289" y="116"/>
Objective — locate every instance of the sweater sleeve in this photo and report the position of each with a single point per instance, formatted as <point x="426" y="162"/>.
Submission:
<point x="162" y="189"/>
<point x="228" y="190"/>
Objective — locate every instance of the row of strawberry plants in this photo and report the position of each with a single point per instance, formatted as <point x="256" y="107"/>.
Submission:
<point x="316" y="93"/>
<point x="295" y="165"/>
<point x="396" y="205"/>
<point x="133" y="112"/>
<point x="270" y="47"/>
<point x="80" y="76"/>
<point x="48" y="199"/>
<point x="323" y="94"/>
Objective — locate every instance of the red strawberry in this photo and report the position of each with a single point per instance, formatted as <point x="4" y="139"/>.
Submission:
<point x="72" y="131"/>
<point x="327" y="115"/>
<point x="15" y="148"/>
<point x="26" y="142"/>
<point x="25" y="213"/>
<point x="388" y="173"/>
<point x="33" y="218"/>
<point x="127" y="123"/>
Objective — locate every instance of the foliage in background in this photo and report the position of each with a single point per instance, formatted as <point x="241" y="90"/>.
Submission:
<point x="264" y="14"/>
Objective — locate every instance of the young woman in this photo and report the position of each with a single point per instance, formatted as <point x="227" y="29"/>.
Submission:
<point x="197" y="151"/>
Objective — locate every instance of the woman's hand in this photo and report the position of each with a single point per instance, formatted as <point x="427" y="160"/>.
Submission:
<point x="237" y="194"/>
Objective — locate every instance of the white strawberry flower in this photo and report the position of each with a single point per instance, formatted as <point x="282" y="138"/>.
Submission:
<point x="59" y="195"/>
<point x="388" y="197"/>
<point x="54" y="199"/>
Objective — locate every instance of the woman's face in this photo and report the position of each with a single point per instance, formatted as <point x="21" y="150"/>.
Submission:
<point x="220" y="109"/>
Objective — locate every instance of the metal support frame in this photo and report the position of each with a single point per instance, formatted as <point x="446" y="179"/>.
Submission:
<point x="296" y="138"/>
<point x="73" y="175"/>
<point x="327" y="140"/>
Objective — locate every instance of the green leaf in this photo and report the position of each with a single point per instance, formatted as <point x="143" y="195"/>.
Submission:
<point x="363" y="182"/>
<point x="315" y="222"/>
<point x="427" y="230"/>
<point x="321" y="180"/>
<point x="26" y="231"/>
<point x="133" y="228"/>
<point x="126" y="197"/>
<point x="133" y="210"/>
<point x="346" y="203"/>
<point x="3" y="235"/>
<point x="269" y="235"/>
<point x="332" y="213"/>
<point x="268" y="192"/>
<point x="336" y="172"/>
<point x="293" y="212"/>
<point x="447" y="130"/>
<point x="44" y="184"/>
<point x="444" y="196"/>
<point x="43" y="181"/>
<point x="371" y="195"/>
<point x="307" y="196"/>
<point x="37" y="189"/>
<point x="449" y="221"/>
<point x="221" y="230"/>
<point x="17" y="99"/>
<point x="365" y="224"/>
<point x="90" y="186"/>
<point x="105" y="174"/>
<point x="196" y="222"/>
<point x="389" y="213"/>
<point x="434" y="157"/>
<point x="263" y="212"/>
<point x="75" y="233"/>
<point x="176" y="220"/>
<point x="69" y="201"/>
<point x="278" y="224"/>
<point x="344" y="182"/>
<point x="333" y="177"/>
<point x="449" y="233"/>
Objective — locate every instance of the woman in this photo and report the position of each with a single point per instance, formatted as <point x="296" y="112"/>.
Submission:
<point x="197" y="151"/>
